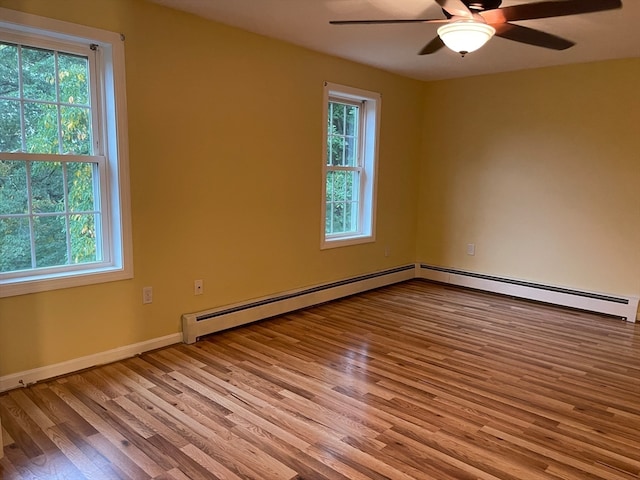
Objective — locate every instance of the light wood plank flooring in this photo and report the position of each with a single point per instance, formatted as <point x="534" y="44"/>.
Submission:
<point x="411" y="381"/>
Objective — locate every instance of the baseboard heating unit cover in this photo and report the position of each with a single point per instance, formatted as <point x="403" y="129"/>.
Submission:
<point x="197" y="324"/>
<point x="619" y="306"/>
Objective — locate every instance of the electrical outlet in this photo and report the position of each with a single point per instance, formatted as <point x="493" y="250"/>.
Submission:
<point x="387" y="250"/>
<point x="198" y="287"/>
<point x="471" y="248"/>
<point x="147" y="295"/>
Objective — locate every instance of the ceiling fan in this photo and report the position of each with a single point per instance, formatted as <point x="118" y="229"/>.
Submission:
<point x="471" y="23"/>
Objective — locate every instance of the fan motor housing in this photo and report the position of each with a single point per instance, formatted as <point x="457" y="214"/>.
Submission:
<point x="478" y="5"/>
<point x="481" y="5"/>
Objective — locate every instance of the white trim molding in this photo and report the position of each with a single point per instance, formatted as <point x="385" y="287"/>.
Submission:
<point x="110" y="131"/>
<point x="616" y="305"/>
<point x="202" y="323"/>
<point x="197" y="324"/>
<point x="25" y="378"/>
<point x="366" y="164"/>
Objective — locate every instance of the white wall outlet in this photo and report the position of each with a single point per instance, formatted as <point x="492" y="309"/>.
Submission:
<point x="198" y="287"/>
<point x="471" y="248"/>
<point x="387" y="250"/>
<point x="147" y="295"/>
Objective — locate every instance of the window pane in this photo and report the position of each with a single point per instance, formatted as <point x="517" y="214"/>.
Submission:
<point x="342" y="202"/>
<point x="10" y="136"/>
<point x="83" y="238"/>
<point x="342" y="186"/>
<point x="80" y="187"/>
<point x="351" y="152"/>
<point x="348" y="218"/>
<point x="352" y="115"/>
<point x="342" y="136"/>
<point x="73" y="76"/>
<point x="38" y="74"/>
<point x="9" y="71"/>
<point x="335" y="154"/>
<point x="41" y="127"/>
<point x="13" y="187"/>
<point x="354" y="186"/>
<point x="15" y="246"/>
<point x="337" y="213"/>
<point x="76" y="130"/>
<point x="351" y="185"/>
<point x="337" y="118"/>
<point x="329" y="186"/>
<point x="51" y="240"/>
<point x="47" y="187"/>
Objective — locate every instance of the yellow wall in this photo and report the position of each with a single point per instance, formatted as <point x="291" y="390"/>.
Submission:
<point x="540" y="169"/>
<point x="225" y="145"/>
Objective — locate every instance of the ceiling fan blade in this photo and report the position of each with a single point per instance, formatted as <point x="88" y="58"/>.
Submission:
<point x="531" y="36"/>
<point x="432" y="47"/>
<point x="553" y="8"/>
<point x="385" y="22"/>
<point x="455" y="7"/>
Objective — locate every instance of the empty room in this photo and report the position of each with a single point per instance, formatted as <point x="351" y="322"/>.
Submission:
<point x="332" y="239"/>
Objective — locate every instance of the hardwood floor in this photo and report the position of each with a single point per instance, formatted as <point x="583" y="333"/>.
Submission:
<point x="412" y="381"/>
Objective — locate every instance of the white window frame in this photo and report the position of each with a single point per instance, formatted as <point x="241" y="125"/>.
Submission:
<point x="369" y="132"/>
<point x="109" y="94"/>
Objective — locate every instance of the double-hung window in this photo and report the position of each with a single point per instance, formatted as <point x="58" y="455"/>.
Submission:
<point x="349" y="165"/>
<point x="63" y="189"/>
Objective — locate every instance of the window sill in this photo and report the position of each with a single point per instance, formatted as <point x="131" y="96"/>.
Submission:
<point x="346" y="241"/>
<point x="35" y="284"/>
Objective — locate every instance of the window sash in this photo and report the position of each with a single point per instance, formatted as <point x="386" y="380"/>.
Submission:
<point x="357" y="199"/>
<point x="345" y="134"/>
<point x="95" y="156"/>
<point x="359" y="134"/>
<point x="88" y="51"/>
<point x="103" y="250"/>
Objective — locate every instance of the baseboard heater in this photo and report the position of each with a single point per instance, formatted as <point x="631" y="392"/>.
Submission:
<point x="624" y="307"/>
<point x="197" y="324"/>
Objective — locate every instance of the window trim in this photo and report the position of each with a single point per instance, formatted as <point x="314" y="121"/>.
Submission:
<point x="369" y="139"/>
<point x="111" y="84"/>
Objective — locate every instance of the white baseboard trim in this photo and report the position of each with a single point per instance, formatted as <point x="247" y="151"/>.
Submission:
<point x="202" y="323"/>
<point x="197" y="324"/>
<point x="22" y="379"/>
<point x="619" y="306"/>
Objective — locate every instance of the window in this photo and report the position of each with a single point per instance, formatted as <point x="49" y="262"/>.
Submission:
<point x="349" y="165"/>
<point x="64" y="214"/>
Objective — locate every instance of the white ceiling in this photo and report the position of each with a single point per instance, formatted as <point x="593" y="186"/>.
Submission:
<point x="598" y="36"/>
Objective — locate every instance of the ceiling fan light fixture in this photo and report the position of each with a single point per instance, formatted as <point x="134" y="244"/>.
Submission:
<point x="465" y="36"/>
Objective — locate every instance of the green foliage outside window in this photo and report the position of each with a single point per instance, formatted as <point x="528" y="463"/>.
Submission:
<point x="342" y="185"/>
<point x="48" y="213"/>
